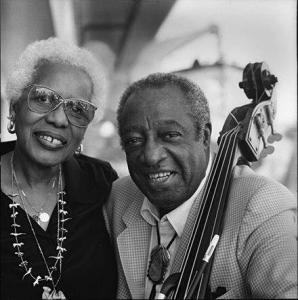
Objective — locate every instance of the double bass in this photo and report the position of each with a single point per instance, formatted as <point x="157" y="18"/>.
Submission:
<point x="245" y="137"/>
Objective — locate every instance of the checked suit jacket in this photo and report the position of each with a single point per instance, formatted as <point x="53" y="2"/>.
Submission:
<point x="257" y="253"/>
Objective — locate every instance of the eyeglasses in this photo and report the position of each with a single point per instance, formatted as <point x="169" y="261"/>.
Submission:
<point x="43" y="100"/>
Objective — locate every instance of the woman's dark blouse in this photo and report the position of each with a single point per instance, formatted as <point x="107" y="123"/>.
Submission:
<point x="88" y="268"/>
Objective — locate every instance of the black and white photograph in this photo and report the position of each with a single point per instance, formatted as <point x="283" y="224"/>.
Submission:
<point x="148" y="149"/>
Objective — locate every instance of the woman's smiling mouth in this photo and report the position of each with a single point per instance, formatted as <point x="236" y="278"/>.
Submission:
<point x="52" y="142"/>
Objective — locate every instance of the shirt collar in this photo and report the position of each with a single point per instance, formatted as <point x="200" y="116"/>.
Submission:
<point x="177" y="217"/>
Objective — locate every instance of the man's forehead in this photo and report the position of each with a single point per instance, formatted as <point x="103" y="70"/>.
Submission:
<point x="151" y="99"/>
<point x="160" y="92"/>
<point x="156" y="124"/>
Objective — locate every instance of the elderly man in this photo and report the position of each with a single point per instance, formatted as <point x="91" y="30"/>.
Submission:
<point x="165" y="129"/>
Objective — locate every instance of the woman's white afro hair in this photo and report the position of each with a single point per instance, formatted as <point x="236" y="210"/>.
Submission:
<point x="57" y="51"/>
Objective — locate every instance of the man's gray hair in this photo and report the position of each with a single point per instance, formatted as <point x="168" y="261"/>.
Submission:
<point x="54" y="50"/>
<point x="194" y="96"/>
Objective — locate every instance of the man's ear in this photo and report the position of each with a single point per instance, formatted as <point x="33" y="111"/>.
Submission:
<point x="207" y="134"/>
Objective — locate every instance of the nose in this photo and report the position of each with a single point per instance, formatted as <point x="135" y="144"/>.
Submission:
<point x="153" y="153"/>
<point x="57" y="117"/>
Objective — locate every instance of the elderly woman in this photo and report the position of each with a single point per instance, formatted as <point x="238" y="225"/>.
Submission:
<point x="54" y="244"/>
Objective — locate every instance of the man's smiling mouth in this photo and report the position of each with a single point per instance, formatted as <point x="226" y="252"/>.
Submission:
<point x="159" y="177"/>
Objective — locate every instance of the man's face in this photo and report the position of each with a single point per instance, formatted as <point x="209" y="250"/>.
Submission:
<point x="165" y="157"/>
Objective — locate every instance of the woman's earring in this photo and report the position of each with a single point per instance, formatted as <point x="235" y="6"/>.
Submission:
<point x="79" y="149"/>
<point x="11" y="125"/>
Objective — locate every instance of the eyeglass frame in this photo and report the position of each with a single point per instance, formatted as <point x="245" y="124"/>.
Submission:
<point x="64" y="100"/>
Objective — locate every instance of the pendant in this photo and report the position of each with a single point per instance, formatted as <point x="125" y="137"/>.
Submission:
<point x="159" y="263"/>
<point x="49" y="294"/>
<point x="44" y="217"/>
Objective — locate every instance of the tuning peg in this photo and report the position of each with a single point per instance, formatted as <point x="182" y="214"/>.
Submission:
<point x="274" y="137"/>
<point x="267" y="151"/>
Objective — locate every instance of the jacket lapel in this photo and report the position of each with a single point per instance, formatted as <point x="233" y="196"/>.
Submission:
<point x="133" y="244"/>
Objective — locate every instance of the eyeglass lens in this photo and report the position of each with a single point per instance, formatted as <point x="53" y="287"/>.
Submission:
<point x="43" y="100"/>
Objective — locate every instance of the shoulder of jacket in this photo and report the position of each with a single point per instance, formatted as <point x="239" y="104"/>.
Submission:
<point x="258" y="187"/>
<point x="124" y="194"/>
<point x="126" y="187"/>
<point x="256" y="199"/>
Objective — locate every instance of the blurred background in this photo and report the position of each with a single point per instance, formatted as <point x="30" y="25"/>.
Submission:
<point x="209" y="41"/>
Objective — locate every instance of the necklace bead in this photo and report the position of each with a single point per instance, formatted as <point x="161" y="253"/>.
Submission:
<point x="44" y="217"/>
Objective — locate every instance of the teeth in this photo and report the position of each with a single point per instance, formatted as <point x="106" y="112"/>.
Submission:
<point x="51" y="139"/>
<point x="159" y="176"/>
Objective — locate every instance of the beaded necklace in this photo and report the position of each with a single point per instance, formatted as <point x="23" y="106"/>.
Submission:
<point x="61" y="236"/>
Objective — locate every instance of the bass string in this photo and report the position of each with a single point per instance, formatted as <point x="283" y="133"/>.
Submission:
<point x="251" y="69"/>
<point x="212" y="216"/>
<point x="216" y="223"/>
<point x="254" y="80"/>
<point x="198" y="220"/>
<point x="219" y="207"/>
<point x="207" y="185"/>
<point x="210" y="219"/>
<point x="226" y="140"/>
